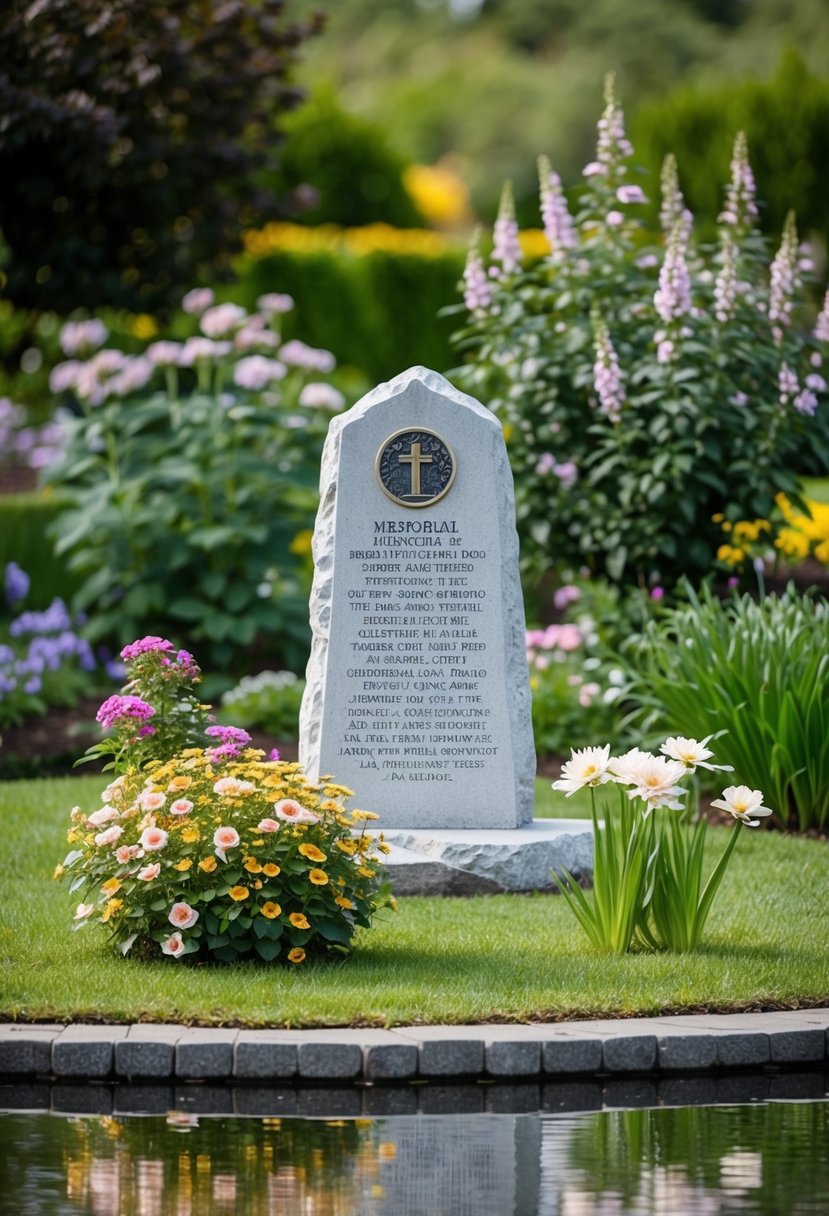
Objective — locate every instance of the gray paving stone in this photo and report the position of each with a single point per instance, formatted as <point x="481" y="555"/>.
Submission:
<point x="687" y="1091"/>
<point x="390" y="1061"/>
<point x="205" y="1053"/>
<point x="26" y="1050"/>
<point x="329" y="1061"/>
<point x="686" y="1052"/>
<point x="797" y="1086"/>
<point x="142" y="1099"/>
<point x="82" y="1099"/>
<point x="513" y="1059"/>
<point x="451" y="1099"/>
<point x="383" y="1101"/>
<point x="796" y="1046"/>
<point x="260" y="1055"/>
<point x="629" y="1053"/>
<point x="512" y="1099"/>
<point x="741" y="1088"/>
<point x="746" y="1050"/>
<point x="148" y="1051"/>
<point x="571" y="1055"/>
<point x="86" y="1051"/>
<point x="449" y="1051"/>
<point x="275" y="1102"/>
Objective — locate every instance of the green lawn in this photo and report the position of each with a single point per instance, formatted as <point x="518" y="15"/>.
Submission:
<point x="507" y="957"/>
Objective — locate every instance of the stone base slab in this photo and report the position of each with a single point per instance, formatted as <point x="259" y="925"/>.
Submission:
<point x="428" y="861"/>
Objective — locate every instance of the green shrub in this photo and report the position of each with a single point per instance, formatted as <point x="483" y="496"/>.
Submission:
<point x="269" y="700"/>
<point x="786" y="120"/>
<point x="646" y="383"/>
<point x="25" y="523"/>
<point x="757" y="672"/>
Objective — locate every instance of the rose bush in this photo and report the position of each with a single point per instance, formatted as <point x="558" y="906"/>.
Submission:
<point x="214" y="850"/>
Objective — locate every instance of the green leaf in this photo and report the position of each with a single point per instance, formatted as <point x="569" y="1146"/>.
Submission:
<point x="268" y="949"/>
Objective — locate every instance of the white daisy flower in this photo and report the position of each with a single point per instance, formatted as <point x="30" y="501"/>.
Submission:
<point x="743" y="803"/>
<point x="692" y="754"/>
<point x="587" y="766"/>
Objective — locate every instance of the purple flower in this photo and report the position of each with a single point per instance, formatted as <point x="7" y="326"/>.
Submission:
<point x="506" y="247"/>
<point x="144" y="646"/>
<point x="273" y="754"/>
<point x="118" y="709"/>
<point x="657" y="593"/>
<point x="568" y="594"/>
<point x="82" y="337"/>
<point x="672" y="298"/>
<point x="821" y="330"/>
<point x="740" y="208"/>
<point x="805" y="402"/>
<point x="16" y="583"/>
<point x="546" y="463"/>
<point x="275" y="302"/>
<point x="612" y="145"/>
<point x="725" y="287"/>
<point x="614" y="219"/>
<point x="567" y="473"/>
<point x="229" y="734"/>
<point x="477" y="289"/>
<point x="307" y="358"/>
<point x="783" y="279"/>
<point x="558" y="225"/>
<point x="607" y="376"/>
<point x="673" y="207"/>
<point x="197" y="300"/>
<point x="222" y="321"/>
<point x="631" y="194"/>
<point x="256" y="372"/>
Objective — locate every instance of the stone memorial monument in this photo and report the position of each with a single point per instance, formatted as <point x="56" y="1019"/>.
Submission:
<point x="417" y="690"/>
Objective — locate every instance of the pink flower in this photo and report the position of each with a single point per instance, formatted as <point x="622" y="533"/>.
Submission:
<point x="174" y="945"/>
<point x="275" y="302"/>
<point x="83" y="910"/>
<point x="182" y="915"/>
<point x="631" y="194"/>
<point x="321" y="396"/>
<point x="309" y="358"/>
<point x="614" y="219"/>
<point x="144" y="646"/>
<point x="99" y="818"/>
<point x="594" y="169"/>
<point x="221" y="321"/>
<point x="109" y="836"/>
<point x="477" y="289"/>
<point x="256" y="372"/>
<point x="148" y="873"/>
<point x="268" y="825"/>
<point x="116" y="709"/>
<point x="657" y="593"/>
<point x="181" y="806"/>
<point x="82" y="337"/>
<point x="232" y="787"/>
<point x="153" y="839"/>
<point x="150" y="800"/>
<point x="225" y="838"/>
<point x="126" y="853"/>
<point x="292" y="812"/>
<point x="197" y="300"/>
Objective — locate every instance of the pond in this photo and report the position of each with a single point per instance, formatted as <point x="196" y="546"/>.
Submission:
<point x="762" y="1159"/>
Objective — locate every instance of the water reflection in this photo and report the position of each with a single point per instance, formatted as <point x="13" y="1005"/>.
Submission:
<point x="759" y="1160"/>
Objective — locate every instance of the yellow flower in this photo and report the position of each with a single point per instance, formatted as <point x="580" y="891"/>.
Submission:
<point x="822" y="552"/>
<point x="730" y="555"/>
<point x="238" y="894"/>
<point x="271" y="910"/>
<point x="208" y="864"/>
<point x="360" y="816"/>
<point x="143" y="326"/>
<point x="271" y="869"/>
<point x="318" y="877"/>
<point x="507" y="429"/>
<point x="113" y="905"/>
<point x="59" y="872"/>
<point x="793" y="543"/>
<point x="72" y="836"/>
<point x="366" y="872"/>
<point x="297" y="955"/>
<point x="311" y="852"/>
<point x="438" y="192"/>
<point x="299" y="920"/>
<point x="111" y="886"/>
<point x="190" y="835"/>
<point x="257" y="844"/>
<point x="180" y="783"/>
<point x="252" y="865"/>
<point x="383" y="847"/>
<point x="348" y="846"/>
<point x="337" y="791"/>
<point x="301" y="544"/>
<point x="257" y="886"/>
<point x="183" y="866"/>
<point x="343" y="901"/>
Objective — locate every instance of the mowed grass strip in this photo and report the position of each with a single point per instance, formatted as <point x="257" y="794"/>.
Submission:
<point x="495" y="958"/>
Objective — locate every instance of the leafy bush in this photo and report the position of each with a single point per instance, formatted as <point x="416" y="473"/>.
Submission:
<point x="348" y="162"/>
<point x="25" y="521"/>
<point x="269" y="700"/>
<point x="759" y="673"/>
<point x="643" y="388"/>
<point x="133" y="141"/>
<point x="786" y="120"/>
<point x="184" y="503"/>
<point x="380" y="277"/>
<point x="44" y="660"/>
<point x="213" y="850"/>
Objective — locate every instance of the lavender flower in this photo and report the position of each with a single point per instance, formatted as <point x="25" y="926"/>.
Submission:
<point x="231" y="741"/>
<point x="477" y="289"/>
<point x="783" y="279"/>
<point x="725" y="287"/>
<point x="787" y="384"/>
<point x="164" y="354"/>
<point x="199" y="350"/>
<point x="607" y="376"/>
<point x="16" y="583"/>
<point x="806" y="402"/>
<point x="558" y="225"/>
<point x="673" y="206"/>
<point x="144" y="646"/>
<point x="319" y="395"/>
<point x="821" y="330"/>
<point x="672" y="298"/>
<point x="82" y="337"/>
<point x="631" y="194"/>
<point x="256" y="372"/>
<point x="307" y="358"/>
<point x="506" y="247"/>
<point x="740" y="209"/>
<point x="275" y="303"/>
<point x="222" y="321"/>
<point x="612" y="145"/>
<point x="197" y="300"/>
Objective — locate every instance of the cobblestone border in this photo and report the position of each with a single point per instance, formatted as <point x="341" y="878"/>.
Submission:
<point x="680" y="1045"/>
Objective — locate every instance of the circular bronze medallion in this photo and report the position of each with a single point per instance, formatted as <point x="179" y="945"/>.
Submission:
<point x="415" y="467"/>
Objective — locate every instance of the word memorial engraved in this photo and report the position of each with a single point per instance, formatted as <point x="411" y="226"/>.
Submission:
<point x="417" y="692"/>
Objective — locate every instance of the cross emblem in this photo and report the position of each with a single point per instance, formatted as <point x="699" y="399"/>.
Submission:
<point x="415" y="459"/>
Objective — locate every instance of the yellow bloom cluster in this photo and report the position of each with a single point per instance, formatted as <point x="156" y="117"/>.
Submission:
<point x="804" y="534"/>
<point x="439" y="193"/>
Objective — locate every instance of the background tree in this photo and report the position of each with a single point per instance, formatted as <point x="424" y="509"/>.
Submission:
<point x="135" y="138"/>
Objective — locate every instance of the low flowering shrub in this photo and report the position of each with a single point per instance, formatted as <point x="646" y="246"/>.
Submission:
<point x="649" y="889"/>
<point x="214" y="850"/>
<point x="269" y="700"/>
<point x="189" y="469"/>
<point x="646" y="382"/>
<point x="44" y="659"/>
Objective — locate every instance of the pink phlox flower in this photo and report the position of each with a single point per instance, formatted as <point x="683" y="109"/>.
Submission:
<point x="145" y="646"/>
<point x="256" y="372"/>
<point x="275" y="302"/>
<point x="308" y="358"/>
<point x="197" y="300"/>
<point x="321" y="396"/>
<point x="82" y="337"/>
<point x="222" y="321"/>
<point x="568" y="594"/>
<point x="118" y="708"/>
